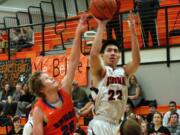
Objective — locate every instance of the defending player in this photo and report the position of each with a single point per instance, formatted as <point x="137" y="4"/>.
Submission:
<point x="54" y="112"/>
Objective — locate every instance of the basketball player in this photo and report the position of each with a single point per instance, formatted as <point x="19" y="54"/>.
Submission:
<point x="54" y="113"/>
<point x="110" y="80"/>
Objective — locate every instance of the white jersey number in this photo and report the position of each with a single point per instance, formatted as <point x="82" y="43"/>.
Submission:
<point x="115" y="95"/>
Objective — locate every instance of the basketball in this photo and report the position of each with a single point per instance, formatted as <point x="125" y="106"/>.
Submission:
<point x="103" y="9"/>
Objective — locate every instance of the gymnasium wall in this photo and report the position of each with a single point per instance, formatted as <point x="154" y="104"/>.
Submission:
<point x="160" y="82"/>
<point x="157" y="80"/>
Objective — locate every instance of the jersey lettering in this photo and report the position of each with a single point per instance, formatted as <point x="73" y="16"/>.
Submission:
<point x="115" y="80"/>
<point x="68" y="129"/>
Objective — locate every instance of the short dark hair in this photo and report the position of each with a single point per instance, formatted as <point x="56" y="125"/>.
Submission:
<point x="110" y="42"/>
<point x="130" y="124"/>
<point x="152" y="104"/>
<point x="159" y="113"/>
<point x="19" y="83"/>
<point x="35" y="84"/>
<point x="172" y="102"/>
<point x="174" y="113"/>
<point x="16" y="118"/>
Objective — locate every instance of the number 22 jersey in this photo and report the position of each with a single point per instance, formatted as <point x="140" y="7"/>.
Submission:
<point x="112" y="96"/>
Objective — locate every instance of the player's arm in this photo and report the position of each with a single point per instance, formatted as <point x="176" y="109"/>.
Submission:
<point x="74" y="56"/>
<point x="38" y="122"/>
<point x="87" y="108"/>
<point x="96" y="66"/>
<point x="132" y="66"/>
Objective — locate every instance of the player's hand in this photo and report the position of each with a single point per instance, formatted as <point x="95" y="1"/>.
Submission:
<point x="82" y="26"/>
<point x="101" y="23"/>
<point x="131" y="22"/>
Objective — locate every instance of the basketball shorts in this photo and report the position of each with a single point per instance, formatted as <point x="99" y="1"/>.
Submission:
<point x="102" y="127"/>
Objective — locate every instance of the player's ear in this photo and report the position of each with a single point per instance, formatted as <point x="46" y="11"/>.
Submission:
<point x="101" y="55"/>
<point x="119" y="55"/>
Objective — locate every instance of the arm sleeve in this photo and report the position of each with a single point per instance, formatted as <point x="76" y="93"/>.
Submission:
<point x="27" y="129"/>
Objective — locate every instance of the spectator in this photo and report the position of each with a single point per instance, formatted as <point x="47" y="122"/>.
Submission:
<point x="3" y="41"/>
<point x="129" y="112"/>
<point x="27" y="36"/>
<point x="4" y="120"/>
<point x="24" y="103"/>
<point x="79" y="95"/>
<point x="152" y="110"/>
<point x="8" y="91"/>
<point x="174" y="126"/>
<point x="147" y="10"/>
<point x="88" y="108"/>
<point x="6" y="97"/>
<point x="17" y="128"/>
<point x="17" y="93"/>
<point x="172" y="109"/>
<point x="11" y="105"/>
<point x="16" y="39"/>
<point x="134" y="92"/>
<point x="158" y="128"/>
<point x="22" y="38"/>
<point x="115" y="24"/>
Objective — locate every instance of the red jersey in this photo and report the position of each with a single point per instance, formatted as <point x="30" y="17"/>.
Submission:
<point x="61" y="121"/>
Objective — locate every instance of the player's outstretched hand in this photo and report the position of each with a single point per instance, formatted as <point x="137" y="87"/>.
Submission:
<point x="101" y="23"/>
<point x="82" y="26"/>
<point x="131" y="22"/>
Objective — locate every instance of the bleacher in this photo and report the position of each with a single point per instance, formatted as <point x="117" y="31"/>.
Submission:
<point x="172" y="14"/>
<point x="52" y="39"/>
<point x="144" y="110"/>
